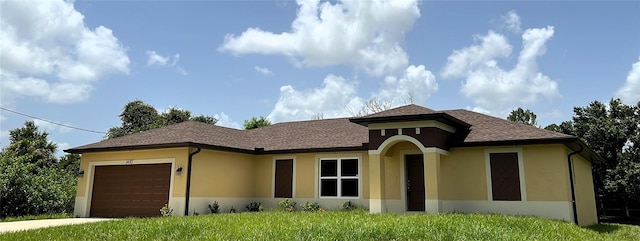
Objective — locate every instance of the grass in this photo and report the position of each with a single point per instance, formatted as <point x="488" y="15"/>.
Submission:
<point x="43" y="216"/>
<point x="332" y="226"/>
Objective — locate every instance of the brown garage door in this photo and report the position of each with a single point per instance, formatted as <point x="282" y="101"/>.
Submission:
<point x="131" y="190"/>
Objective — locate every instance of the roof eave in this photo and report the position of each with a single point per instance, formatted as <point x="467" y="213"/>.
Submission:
<point x="308" y="150"/>
<point x="439" y="116"/>
<point x="571" y="142"/>
<point x="158" y="146"/>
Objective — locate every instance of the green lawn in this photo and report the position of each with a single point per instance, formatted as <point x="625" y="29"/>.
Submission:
<point x="332" y="226"/>
<point x="43" y="216"/>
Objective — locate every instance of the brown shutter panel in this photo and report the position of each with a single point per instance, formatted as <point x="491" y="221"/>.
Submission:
<point x="505" y="177"/>
<point x="284" y="179"/>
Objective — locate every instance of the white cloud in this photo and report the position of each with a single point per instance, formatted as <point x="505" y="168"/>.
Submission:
<point x="629" y="93"/>
<point x="415" y="86"/>
<point x="364" y="34"/>
<point x="61" y="147"/>
<point x="50" y="127"/>
<point x="478" y="109"/>
<point x="512" y="22"/>
<point x="154" y="58"/>
<point x="495" y="89"/>
<point x="332" y="100"/>
<point x="226" y="121"/>
<point x="338" y="97"/>
<point x="4" y="134"/>
<point x="263" y="70"/>
<point x="48" y="52"/>
<point x="461" y="62"/>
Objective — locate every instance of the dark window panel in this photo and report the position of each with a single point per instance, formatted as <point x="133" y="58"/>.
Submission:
<point x="329" y="187"/>
<point x="349" y="167"/>
<point x="329" y="168"/>
<point x="349" y="187"/>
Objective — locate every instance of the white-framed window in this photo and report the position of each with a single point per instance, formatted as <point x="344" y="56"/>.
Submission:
<point x="340" y="177"/>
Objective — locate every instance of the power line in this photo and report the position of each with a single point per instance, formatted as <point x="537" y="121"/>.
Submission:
<point x="52" y="122"/>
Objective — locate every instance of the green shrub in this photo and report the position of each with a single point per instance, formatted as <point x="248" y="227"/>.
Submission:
<point x="350" y="206"/>
<point x="255" y="207"/>
<point x="215" y="207"/>
<point x="26" y="189"/>
<point x="166" y="211"/>
<point x="311" y="207"/>
<point x="287" y="205"/>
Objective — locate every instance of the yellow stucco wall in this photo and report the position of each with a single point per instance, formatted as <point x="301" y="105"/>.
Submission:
<point x="391" y="177"/>
<point x="364" y="175"/>
<point x="263" y="173"/>
<point x="179" y="154"/>
<point x="585" y="196"/>
<point x="463" y="174"/>
<point x="546" y="173"/>
<point x="235" y="175"/>
<point x="223" y="174"/>
<point x="305" y="165"/>
<point x="393" y="163"/>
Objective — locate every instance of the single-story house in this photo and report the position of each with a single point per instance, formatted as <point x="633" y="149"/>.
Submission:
<point x="406" y="159"/>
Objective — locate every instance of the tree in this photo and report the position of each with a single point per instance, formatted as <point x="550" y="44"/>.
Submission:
<point x="32" y="144"/>
<point x="26" y="189"/>
<point x="138" y="116"/>
<point x="613" y="132"/>
<point x="374" y="105"/>
<point x="317" y="116"/>
<point x="526" y="117"/>
<point x="70" y="163"/>
<point x="174" y="116"/>
<point x="565" y="127"/>
<point x="205" y="119"/>
<point x="256" y="122"/>
<point x="553" y="127"/>
<point x="31" y="180"/>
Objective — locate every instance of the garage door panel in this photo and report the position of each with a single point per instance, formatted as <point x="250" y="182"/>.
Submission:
<point x="130" y="190"/>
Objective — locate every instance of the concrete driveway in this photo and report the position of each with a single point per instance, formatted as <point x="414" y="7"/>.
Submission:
<point x="44" y="223"/>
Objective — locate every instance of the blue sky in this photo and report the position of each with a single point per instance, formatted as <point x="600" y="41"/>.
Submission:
<point x="79" y="63"/>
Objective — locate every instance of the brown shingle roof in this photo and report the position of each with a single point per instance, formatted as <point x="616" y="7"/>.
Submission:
<point x="319" y="134"/>
<point x="329" y="133"/>
<point x="181" y="133"/>
<point x="486" y="128"/>
<point x="402" y="111"/>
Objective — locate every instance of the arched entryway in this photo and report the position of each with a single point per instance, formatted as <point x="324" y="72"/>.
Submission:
<point x="404" y="176"/>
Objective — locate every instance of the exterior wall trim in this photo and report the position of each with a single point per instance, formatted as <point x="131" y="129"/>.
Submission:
<point x="398" y="138"/>
<point x="412" y="124"/>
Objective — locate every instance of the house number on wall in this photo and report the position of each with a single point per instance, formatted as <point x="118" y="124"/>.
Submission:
<point x="128" y="162"/>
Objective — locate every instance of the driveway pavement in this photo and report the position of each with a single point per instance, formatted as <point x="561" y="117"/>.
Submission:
<point x="44" y="223"/>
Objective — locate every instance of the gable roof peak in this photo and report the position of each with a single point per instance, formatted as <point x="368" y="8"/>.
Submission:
<point x="410" y="109"/>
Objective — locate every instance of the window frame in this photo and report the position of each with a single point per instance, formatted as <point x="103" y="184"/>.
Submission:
<point x="523" y="190"/>
<point x="339" y="177"/>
